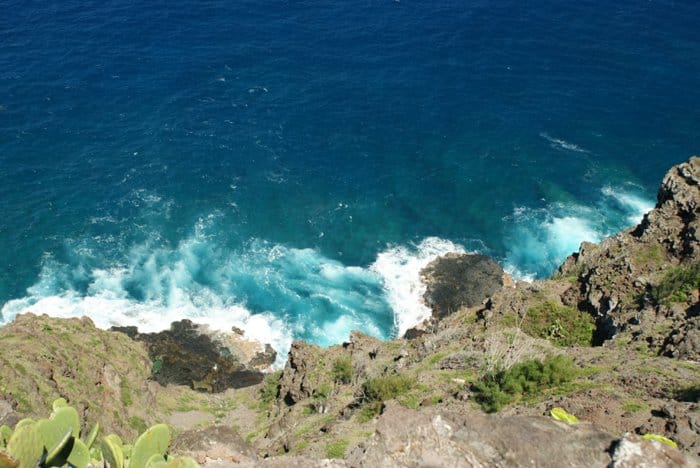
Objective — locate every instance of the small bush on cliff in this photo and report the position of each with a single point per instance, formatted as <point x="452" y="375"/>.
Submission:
<point x="336" y="449"/>
<point x="379" y="389"/>
<point x="562" y="325"/>
<point x="498" y="389"/>
<point x="342" y="370"/>
<point x="676" y="284"/>
<point x="270" y="388"/>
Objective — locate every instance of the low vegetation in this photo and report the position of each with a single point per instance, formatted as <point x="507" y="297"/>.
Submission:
<point x="677" y="284"/>
<point x="380" y="389"/>
<point x="336" y="449"/>
<point x="562" y="325"/>
<point x="497" y="389"/>
<point x="342" y="370"/>
<point x="270" y="387"/>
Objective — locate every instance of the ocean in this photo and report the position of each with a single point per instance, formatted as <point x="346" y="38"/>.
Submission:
<point x="289" y="167"/>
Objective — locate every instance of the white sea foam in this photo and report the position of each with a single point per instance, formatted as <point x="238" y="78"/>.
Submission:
<point x="273" y="292"/>
<point x="635" y="205"/>
<point x="400" y="268"/>
<point x="541" y="239"/>
<point x="107" y="304"/>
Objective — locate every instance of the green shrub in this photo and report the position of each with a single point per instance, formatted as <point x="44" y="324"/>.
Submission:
<point x="336" y="449"/>
<point x="562" y="325"/>
<point x="495" y="390"/>
<point x="342" y="370"/>
<point x="676" y="284"/>
<point x="271" y="387"/>
<point x="379" y="389"/>
<point x="386" y="388"/>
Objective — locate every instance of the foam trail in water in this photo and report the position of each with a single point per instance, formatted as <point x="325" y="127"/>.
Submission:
<point x="400" y="268"/>
<point x="560" y="144"/>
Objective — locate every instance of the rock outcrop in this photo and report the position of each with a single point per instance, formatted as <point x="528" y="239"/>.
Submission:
<point x="454" y="281"/>
<point x="615" y="279"/>
<point x="191" y="354"/>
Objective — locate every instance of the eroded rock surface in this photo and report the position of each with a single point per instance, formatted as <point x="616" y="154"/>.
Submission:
<point x="460" y="280"/>
<point x="189" y="354"/>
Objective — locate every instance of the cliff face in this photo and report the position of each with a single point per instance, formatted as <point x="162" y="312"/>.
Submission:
<point x="616" y="280"/>
<point x="104" y="375"/>
<point x="613" y="338"/>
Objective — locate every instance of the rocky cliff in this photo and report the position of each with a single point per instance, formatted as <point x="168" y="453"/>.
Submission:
<point x="613" y="338"/>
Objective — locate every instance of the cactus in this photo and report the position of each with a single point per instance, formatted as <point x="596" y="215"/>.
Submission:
<point x="25" y="445"/>
<point x="57" y="454"/>
<point x="5" y="434"/>
<point x="55" y="442"/>
<point x="155" y="440"/>
<point x="90" y="439"/>
<point x="23" y="422"/>
<point x="80" y="455"/>
<point x="59" y="403"/>
<point x="112" y="451"/>
<point x="156" y="461"/>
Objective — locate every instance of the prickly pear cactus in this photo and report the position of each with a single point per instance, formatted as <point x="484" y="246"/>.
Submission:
<point x="154" y="441"/>
<point x="90" y="439"/>
<point x="660" y="438"/>
<point x="5" y="434"/>
<point x="561" y="414"/>
<point x="156" y="461"/>
<point x="59" y="403"/>
<point x="112" y="451"/>
<point x="80" y="455"/>
<point x="25" y="445"/>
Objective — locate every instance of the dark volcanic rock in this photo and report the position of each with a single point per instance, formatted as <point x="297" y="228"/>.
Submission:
<point x="185" y="355"/>
<point x="458" y="280"/>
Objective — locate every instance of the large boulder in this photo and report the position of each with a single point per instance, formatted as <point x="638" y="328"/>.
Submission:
<point x="460" y="280"/>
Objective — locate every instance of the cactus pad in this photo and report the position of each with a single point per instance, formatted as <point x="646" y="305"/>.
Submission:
<point x="155" y="440"/>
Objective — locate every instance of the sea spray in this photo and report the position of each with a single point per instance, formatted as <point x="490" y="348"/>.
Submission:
<point x="400" y="268"/>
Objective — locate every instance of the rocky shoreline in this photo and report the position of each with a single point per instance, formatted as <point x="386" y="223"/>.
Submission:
<point x="612" y="338"/>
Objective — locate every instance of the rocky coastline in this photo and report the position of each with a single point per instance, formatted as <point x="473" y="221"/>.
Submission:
<point x="612" y="338"/>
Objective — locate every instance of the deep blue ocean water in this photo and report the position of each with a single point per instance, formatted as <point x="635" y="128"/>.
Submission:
<point x="288" y="167"/>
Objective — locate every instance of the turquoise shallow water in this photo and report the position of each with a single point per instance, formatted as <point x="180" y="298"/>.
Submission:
<point x="288" y="167"/>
